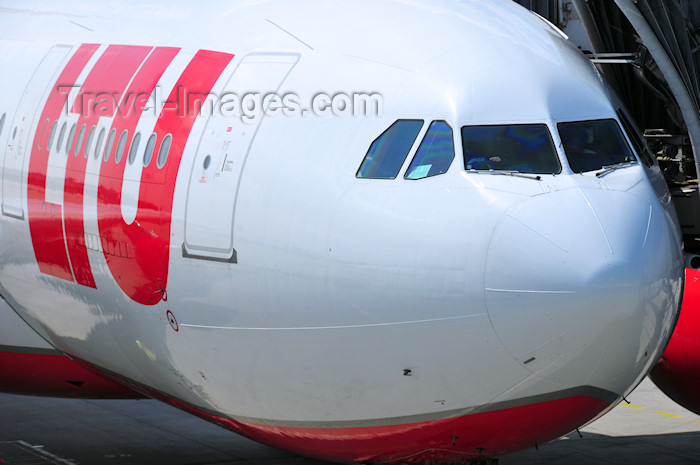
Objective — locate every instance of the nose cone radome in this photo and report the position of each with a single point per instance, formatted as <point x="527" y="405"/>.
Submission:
<point x="582" y="286"/>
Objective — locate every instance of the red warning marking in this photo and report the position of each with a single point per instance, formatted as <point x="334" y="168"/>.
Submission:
<point x="172" y="321"/>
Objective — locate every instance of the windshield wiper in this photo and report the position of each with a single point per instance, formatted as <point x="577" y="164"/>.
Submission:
<point x="509" y="173"/>
<point x="610" y="168"/>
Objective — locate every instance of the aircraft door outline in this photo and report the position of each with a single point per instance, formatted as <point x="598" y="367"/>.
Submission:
<point x="34" y="94"/>
<point x="220" y="160"/>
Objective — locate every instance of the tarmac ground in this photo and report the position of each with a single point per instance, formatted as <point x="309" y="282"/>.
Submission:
<point x="651" y="430"/>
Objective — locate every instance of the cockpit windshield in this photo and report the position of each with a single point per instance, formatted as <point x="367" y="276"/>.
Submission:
<point x="521" y="148"/>
<point x="593" y="145"/>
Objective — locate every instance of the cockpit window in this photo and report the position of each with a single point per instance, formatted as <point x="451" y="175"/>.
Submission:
<point x="388" y="151"/>
<point x="522" y="148"/>
<point x="639" y="145"/>
<point x="592" y="145"/>
<point x="435" y="154"/>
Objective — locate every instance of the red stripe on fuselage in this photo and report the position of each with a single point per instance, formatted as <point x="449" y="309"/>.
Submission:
<point x="463" y="439"/>
<point x="39" y="374"/>
<point x="140" y="267"/>
<point x="144" y="272"/>
<point x="110" y="75"/>
<point x="46" y="220"/>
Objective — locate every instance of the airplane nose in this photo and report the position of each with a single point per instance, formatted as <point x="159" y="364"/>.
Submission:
<point x="583" y="285"/>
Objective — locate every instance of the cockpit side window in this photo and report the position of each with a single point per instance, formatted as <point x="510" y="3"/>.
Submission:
<point x="639" y="145"/>
<point x="435" y="153"/>
<point x="522" y="148"/>
<point x="592" y="145"/>
<point x="388" y="151"/>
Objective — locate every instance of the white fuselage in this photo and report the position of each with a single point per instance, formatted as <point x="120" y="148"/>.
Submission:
<point x="284" y="290"/>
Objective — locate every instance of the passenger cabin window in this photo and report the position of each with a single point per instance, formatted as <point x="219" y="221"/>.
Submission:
<point x="164" y="151"/>
<point x="148" y="152"/>
<point x="61" y="135"/>
<point x="98" y="145"/>
<point x="121" y="146"/>
<point x="52" y="135"/>
<point x="71" y="136"/>
<point x="88" y="144"/>
<point x="592" y="145"/>
<point x="134" y="147"/>
<point x="522" y="148"/>
<point x="44" y="135"/>
<point x="79" y="144"/>
<point x="110" y="143"/>
<point x="435" y="153"/>
<point x="388" y="151"/>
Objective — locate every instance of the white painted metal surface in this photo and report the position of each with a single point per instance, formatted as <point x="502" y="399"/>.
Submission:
<point x="491" y="289"/>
